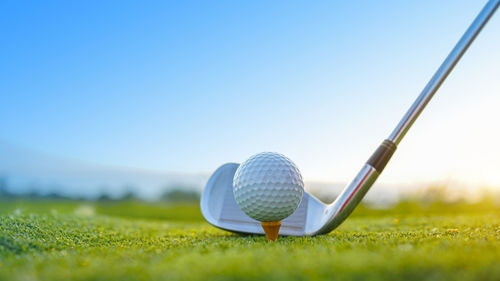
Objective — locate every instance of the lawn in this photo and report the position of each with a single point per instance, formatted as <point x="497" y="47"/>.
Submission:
<point x="88" y="241"/>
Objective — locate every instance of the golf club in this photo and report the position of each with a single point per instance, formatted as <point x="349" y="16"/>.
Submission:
<point x="313" y="217"/>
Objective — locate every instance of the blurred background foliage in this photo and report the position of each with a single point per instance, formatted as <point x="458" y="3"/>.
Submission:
<point x="182" y="204"/>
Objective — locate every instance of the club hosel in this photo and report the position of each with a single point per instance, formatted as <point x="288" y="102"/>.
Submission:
<point x="382" y="155"/>
<point x="350" y="197"/>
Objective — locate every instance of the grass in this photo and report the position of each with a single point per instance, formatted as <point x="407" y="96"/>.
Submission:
<point x="124" y="209"/>
<point x="83" y="241"/>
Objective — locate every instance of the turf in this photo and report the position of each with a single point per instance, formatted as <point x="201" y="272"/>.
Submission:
<point x="123" y="209"/>
<point x="82" y="245"/>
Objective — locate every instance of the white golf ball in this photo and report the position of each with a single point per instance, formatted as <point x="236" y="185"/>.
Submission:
<point x="268" y="187"/>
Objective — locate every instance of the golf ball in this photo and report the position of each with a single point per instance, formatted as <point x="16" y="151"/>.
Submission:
<point x="268" y="187"/>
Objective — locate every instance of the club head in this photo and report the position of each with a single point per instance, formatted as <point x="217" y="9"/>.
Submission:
<point x="219" y="208"/>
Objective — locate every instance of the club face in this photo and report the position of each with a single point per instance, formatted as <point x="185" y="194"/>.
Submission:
<point x="219" y="208"/>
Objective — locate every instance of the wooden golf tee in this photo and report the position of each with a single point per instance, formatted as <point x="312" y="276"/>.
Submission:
<point x="271" y="228"/>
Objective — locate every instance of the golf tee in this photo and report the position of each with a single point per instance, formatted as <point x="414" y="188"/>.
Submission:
<point x="271" y="228"/>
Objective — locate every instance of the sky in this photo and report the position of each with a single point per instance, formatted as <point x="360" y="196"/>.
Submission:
<point x="186" y="86"/>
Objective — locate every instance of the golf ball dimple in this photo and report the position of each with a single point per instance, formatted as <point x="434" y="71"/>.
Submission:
<point x="268" y="187"/>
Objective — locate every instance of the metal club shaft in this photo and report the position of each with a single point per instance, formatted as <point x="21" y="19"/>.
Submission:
<point x="350" y="197"/>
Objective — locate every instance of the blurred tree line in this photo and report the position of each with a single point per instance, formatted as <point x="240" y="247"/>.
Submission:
<point x="171" y="194"/>
<point x="436" y="197"/>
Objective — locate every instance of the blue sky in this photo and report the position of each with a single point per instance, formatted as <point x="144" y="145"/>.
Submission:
<point x="186" y="86"/>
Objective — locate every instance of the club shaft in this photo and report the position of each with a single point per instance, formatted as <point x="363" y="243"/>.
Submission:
<point x="443" y="71"/>
<point x="350" y="197"/>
